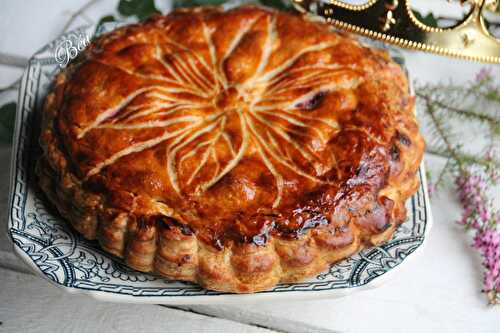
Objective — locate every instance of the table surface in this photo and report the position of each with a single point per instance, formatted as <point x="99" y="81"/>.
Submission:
<point x="438" y="290"/>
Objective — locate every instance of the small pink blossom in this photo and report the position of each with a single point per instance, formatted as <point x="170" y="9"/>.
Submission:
<point x="431" y="189"/>
<point x="485" y="74"/>
<point x="487" y="242"/>
<point x="479" y="214"/>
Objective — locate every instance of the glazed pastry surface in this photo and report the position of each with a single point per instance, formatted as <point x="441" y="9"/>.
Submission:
<point x="237" y="149"/>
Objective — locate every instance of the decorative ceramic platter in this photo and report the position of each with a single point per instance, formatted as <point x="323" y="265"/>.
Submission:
<point x="56" y="252"/>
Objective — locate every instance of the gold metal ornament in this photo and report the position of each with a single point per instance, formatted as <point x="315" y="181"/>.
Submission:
<point x="393" y="21"/>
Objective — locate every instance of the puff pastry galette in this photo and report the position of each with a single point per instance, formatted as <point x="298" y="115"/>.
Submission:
<point x="236" y="149"/>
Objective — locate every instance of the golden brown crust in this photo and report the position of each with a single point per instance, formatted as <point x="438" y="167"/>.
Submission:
<point x="237" y="149"/>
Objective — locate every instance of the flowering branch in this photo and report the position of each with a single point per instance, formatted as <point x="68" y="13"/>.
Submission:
<point x="481" y="216"/>
<point x="474" y="174"/>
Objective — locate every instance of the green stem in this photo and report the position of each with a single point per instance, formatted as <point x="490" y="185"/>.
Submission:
<point x="466" y="158"/>
<point x="467" y="113"/>
<point x="442" y="173"/>
<point x="452" y="152"/>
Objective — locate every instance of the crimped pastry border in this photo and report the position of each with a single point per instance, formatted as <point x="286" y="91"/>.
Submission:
<point x="175" y="255"/>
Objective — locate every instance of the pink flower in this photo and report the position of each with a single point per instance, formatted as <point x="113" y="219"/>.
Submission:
<point x="485" y="216"/>
<point x="487" y="242"/>
<point x="431" y="189"/>
<point x="485" y="74"/>
<point x="479" y="214"/>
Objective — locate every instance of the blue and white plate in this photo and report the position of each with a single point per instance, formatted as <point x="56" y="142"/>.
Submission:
<point x="54" y="251"/>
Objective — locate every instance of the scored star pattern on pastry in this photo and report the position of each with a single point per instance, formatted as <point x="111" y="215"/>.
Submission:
<point x="199" y="106"/>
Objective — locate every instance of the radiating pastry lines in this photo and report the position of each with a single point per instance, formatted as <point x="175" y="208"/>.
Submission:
<point x="244" y="28"/>
<point x="284" y="135"/>
<point x="209" y="152"/>
<point x="273" y="153"/>
<point x="178" y="144"/>
<point x="155" y="123"/>
<point x="294" y="83"/>
<point x="138" y="147"/>
<point x="207" y="33"/>
<point x="188" y="93"/>
<point x="108" y="113"/>
<point x="266" y="50"/>
<point x="268" y="76"/>
<point x="236" y="159"/>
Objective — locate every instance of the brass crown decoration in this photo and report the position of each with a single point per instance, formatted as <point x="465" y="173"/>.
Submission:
<point x="393" y="21"/>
